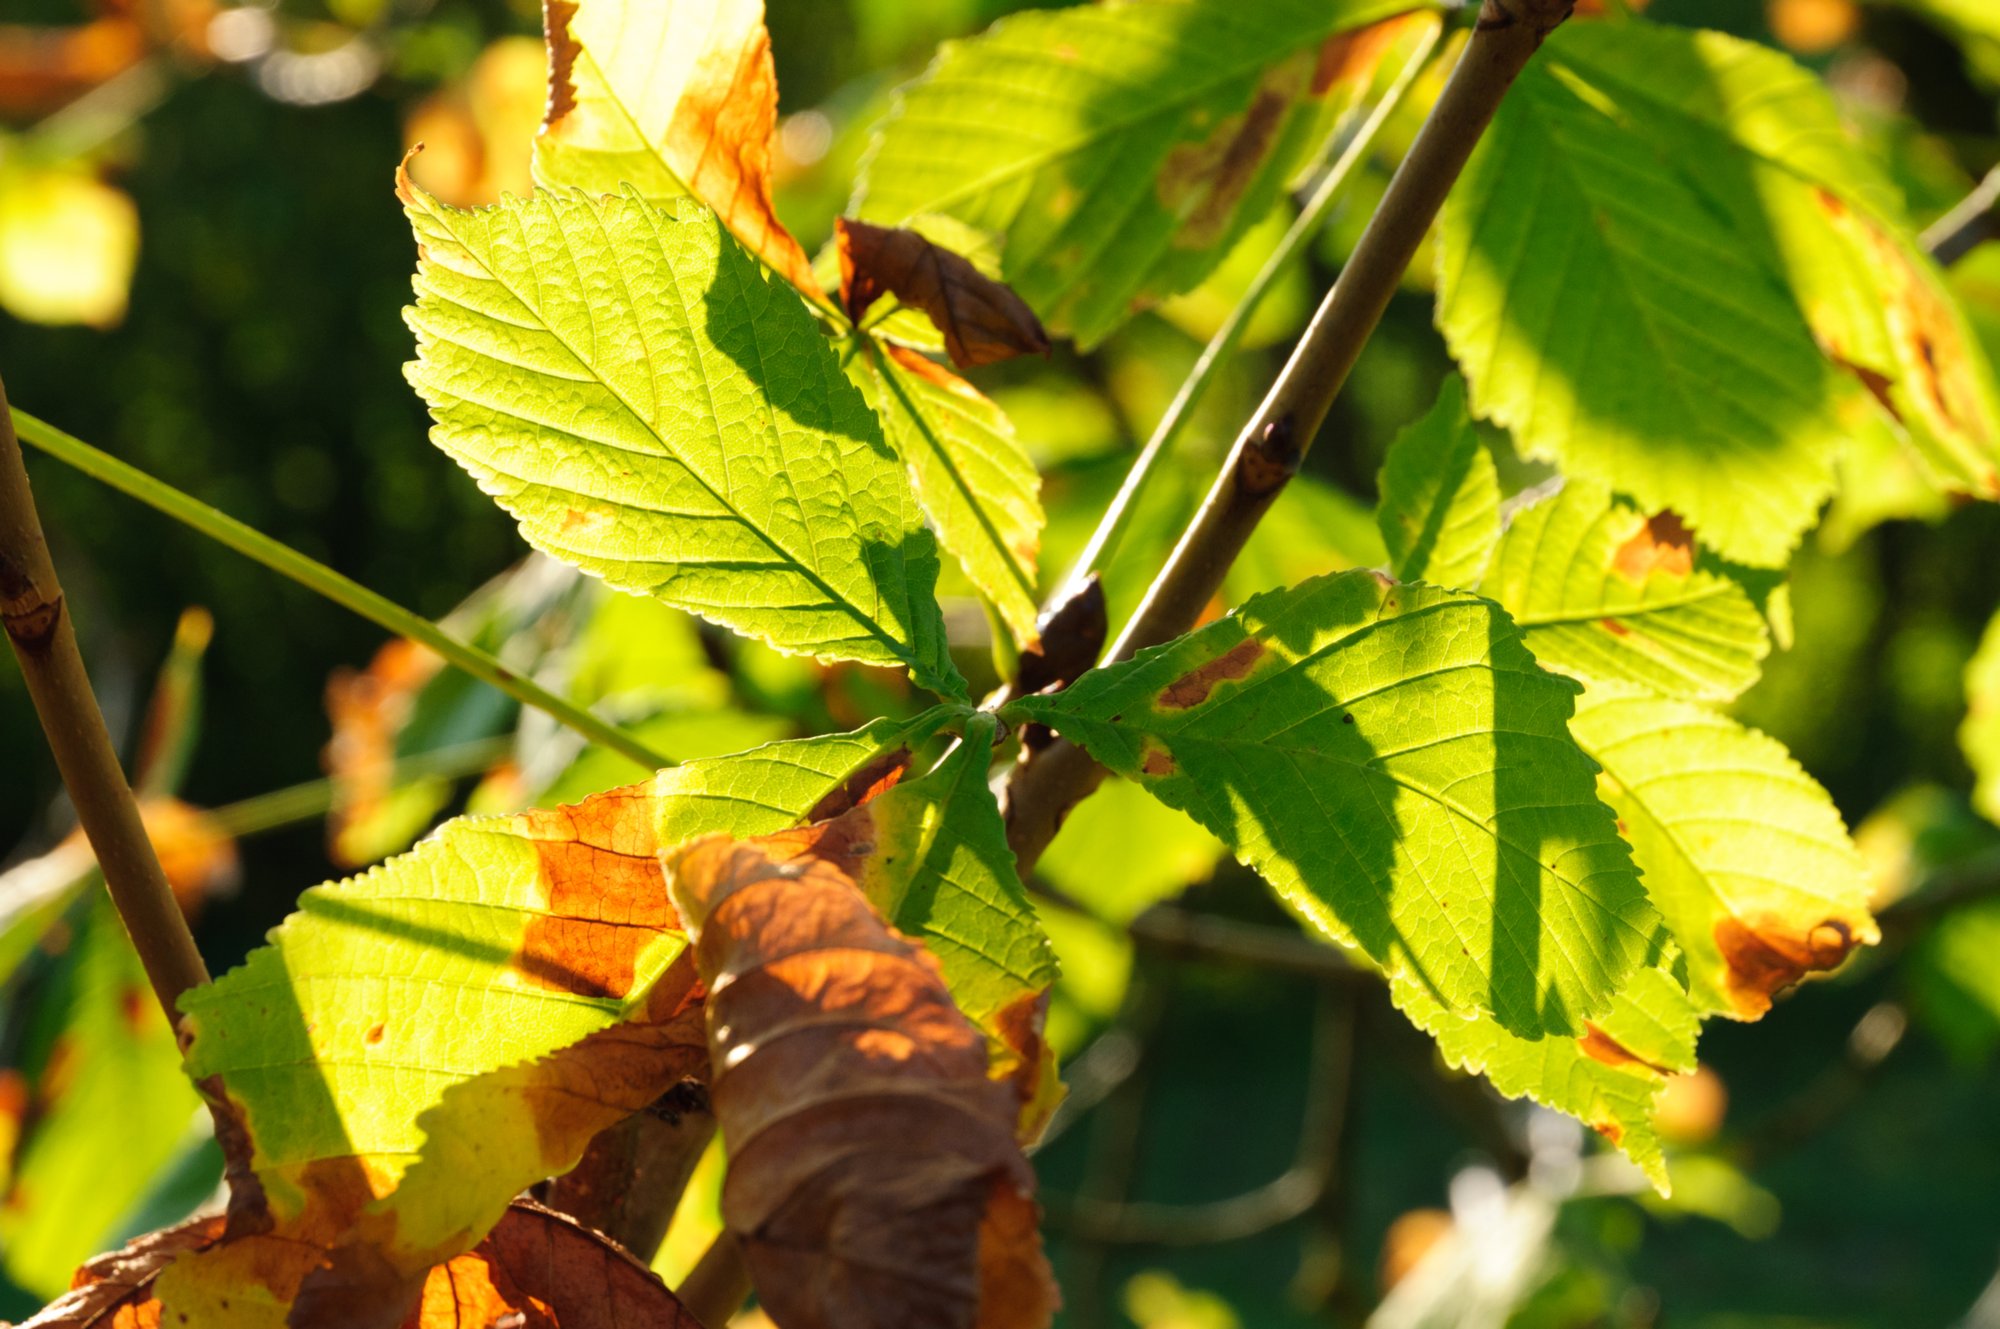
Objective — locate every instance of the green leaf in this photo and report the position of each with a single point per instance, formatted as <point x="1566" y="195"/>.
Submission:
<point x="1954" y="984"/>
<point x="628" y="384"/>
<point x="1395" y="763"/>
<point x="1778" y="160"/>
<point x="1122" y="850"/>
<point x="1440" y="509"/>
<point x="1607" y="313"/>
<point x="1744" y="854"/>
<point x="1979" y="734"/>
<point x="1607" y="1079"/>
<point x="108" y="1107"/>
<point x="1121" y="150"/>
<point x="976" y="481"/>
<point x="1601" y="592"/>
<point x="444" y="1030"/>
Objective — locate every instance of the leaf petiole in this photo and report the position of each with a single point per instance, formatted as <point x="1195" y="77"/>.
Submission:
<point x="323" y="580"/>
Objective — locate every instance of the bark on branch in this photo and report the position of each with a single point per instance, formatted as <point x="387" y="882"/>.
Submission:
<point x="38" y="628"/>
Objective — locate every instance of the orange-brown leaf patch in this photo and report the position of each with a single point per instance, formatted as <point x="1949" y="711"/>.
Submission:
<point x="1663" y="544"/>
<point x="1354" y="56"/>
<point x="1768" y="953"/>
<point x="369" y="709"/>
<point x="874" y="1175"/>
<point x="1192" y="688"/>
<point x="982" y="320"/>
<point x="536" y="1270"/>
<point x="606" y="894"/>
<point x="717" y="143"/>
<point x="1600" y="1046"/>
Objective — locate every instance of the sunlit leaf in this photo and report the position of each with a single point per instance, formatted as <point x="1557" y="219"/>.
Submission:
<point x="1440" y="510"/>
<point x="1745" y="856"/>
<point x="1132" y="144"/>
<point x="667" y="418"/>
<point x="1605" y="593"/>
<point x="973" y="477"/>
<point x="1122" y="850"/>
<point x="443" y="1031"/>
<point x="68" y="244"/>
<point x="1608" y="1079"/>
<point x="874" y="1177"/>
<point x="1779" y="160"/>
<point x="670" y="98"/>
<point x="1395" y="763"/>
<point x="1608" y="313"/>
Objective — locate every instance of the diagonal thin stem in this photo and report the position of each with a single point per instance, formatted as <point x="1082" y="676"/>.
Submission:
<point x="38" y="628"/>
<point x="1041" y="790"/>
<point x="323" y="580"/>
<point x="1117" y="518"/>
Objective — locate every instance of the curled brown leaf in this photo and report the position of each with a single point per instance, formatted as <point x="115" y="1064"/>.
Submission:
<point x="874" y="1174"/>
<point x="982" y="320"/>
<point x="536" y="1270"/>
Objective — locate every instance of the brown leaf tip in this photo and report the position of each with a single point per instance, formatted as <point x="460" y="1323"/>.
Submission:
<point x="406" y="188"/>
<point x="563" y="51"/>
<point x="1768" y="955"/>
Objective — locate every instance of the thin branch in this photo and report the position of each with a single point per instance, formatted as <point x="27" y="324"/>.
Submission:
<point x="324" y="581"/>
<point x="1975" y="220"/>
<point x="1117" y="518"/>
<point x="1292" y="1193"/>
<point x="1267" y="454"/>
<point x="718" y="1285"/>
<point x="44" y="641"/>
<point x="631" y="1177"/>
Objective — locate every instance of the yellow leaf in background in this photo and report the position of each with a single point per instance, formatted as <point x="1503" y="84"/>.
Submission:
<point x="67" y="246"/>
<point x="478" y="133"/>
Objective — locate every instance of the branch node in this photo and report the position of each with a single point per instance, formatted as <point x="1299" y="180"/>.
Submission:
<point x="1271" y="459"/>
<point x="1544" y="16"/>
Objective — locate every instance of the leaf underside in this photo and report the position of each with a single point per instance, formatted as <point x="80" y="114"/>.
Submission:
<point x="1138" y="142"/>
<point x="1395" y="763"/>
<point x="627" y="383"/>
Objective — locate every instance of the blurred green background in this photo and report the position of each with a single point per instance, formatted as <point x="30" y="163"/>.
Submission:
<point x="238" y="161"/>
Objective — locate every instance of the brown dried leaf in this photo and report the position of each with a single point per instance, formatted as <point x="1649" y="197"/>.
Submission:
<point x="536" y="1270"/>
<point x="368" y="710"/>
<point x="874" y="1176"/>
<point x="982" y="320"/>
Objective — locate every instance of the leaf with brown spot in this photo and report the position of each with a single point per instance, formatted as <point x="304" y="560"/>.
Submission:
<point x="1610" y="1078"/>
<point x="874" y="1176"/>
<point x="1783" y="166"/>
<point x="1395" y="763"/>
<point x="1744" y="854"/>
<point x="1116" y="181"/>
<point x="420" y="1043"/>
<point x="535" y="1270"/>
<point x="1614" y="597"/>
<point x="983" y="322"/>
<point x="672" y="97"/>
